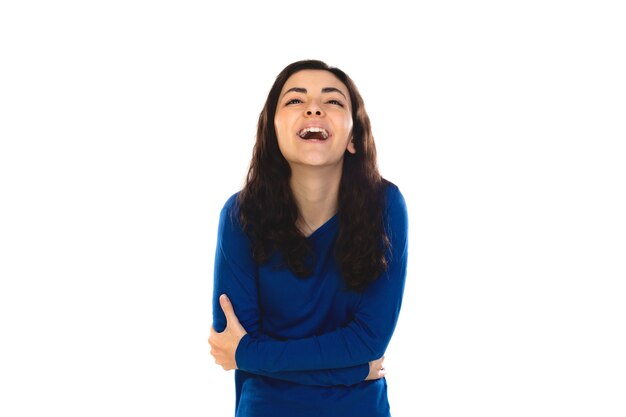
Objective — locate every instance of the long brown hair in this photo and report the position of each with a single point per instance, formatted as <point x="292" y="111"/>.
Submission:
<point x="268" y="211"/>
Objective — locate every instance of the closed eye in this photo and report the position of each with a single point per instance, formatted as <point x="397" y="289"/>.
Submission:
<point x="336" y="101"/>
<point x="329" y="101"/>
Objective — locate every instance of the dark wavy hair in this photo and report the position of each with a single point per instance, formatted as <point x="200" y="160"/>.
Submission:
<point x="268" y="211"/>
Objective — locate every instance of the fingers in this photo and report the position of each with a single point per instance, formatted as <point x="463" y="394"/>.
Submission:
<point x="227" y="308"/>
<point x="382" y="371"/>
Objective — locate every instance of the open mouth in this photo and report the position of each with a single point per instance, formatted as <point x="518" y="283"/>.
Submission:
<point x="318" y="133"/>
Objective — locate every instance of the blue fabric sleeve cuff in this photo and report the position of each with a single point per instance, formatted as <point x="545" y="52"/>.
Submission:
<point x="240" y="353"/>
<point x="365" y="371"/>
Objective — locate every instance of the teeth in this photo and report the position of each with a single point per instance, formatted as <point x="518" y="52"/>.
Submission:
<point x="314" y="129"/>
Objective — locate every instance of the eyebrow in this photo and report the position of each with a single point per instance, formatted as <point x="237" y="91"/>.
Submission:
<point x="324" y="90"/>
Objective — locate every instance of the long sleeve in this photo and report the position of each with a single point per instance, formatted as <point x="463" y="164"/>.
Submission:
<point x="345" y="376"/>
<point x="362" y="340"/>
<point x="235" y="275"/>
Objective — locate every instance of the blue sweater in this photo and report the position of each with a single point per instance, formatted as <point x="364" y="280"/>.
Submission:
<point x="309" y="341"/>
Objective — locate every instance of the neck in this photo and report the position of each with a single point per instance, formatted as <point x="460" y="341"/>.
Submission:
<point x="316" y="190"/>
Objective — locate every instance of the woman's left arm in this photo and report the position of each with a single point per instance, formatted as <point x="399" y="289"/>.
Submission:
<point x="364" y="339"/>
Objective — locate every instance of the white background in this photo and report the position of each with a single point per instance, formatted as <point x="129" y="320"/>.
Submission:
<point x="125" y="125"/>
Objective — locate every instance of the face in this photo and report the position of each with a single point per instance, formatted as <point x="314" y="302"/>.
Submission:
<point x="313" y="119"/>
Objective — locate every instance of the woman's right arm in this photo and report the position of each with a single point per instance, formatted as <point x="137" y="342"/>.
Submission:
<point x="235" y="275"/>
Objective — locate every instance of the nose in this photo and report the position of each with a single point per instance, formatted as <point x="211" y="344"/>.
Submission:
<point x="313" y="107"/>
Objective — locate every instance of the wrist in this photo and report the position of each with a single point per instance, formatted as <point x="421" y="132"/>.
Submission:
<point x="241" y="356"/>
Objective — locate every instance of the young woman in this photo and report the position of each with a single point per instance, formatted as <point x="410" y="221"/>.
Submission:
<point x="311" y="257"/>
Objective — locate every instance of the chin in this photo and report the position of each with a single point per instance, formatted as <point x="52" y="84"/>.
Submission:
<point x="319" y="163"/>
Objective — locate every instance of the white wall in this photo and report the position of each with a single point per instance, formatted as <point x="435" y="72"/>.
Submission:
<point x="125" y="125"/>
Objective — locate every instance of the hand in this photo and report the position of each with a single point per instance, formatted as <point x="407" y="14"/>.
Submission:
<point x="224" y="344"/>
<point x="377" y="370"/>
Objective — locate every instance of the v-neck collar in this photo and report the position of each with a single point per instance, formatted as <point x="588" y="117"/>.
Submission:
<point x="324" y="226"/>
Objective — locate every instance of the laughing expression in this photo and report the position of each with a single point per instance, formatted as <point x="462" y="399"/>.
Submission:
<point x="313" y="119"/>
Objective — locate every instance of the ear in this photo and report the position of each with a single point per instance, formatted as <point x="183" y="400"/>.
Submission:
<point x="351" y="148"/>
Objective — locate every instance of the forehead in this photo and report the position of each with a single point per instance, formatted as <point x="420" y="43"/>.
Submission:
<point x="314" y="81"/>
